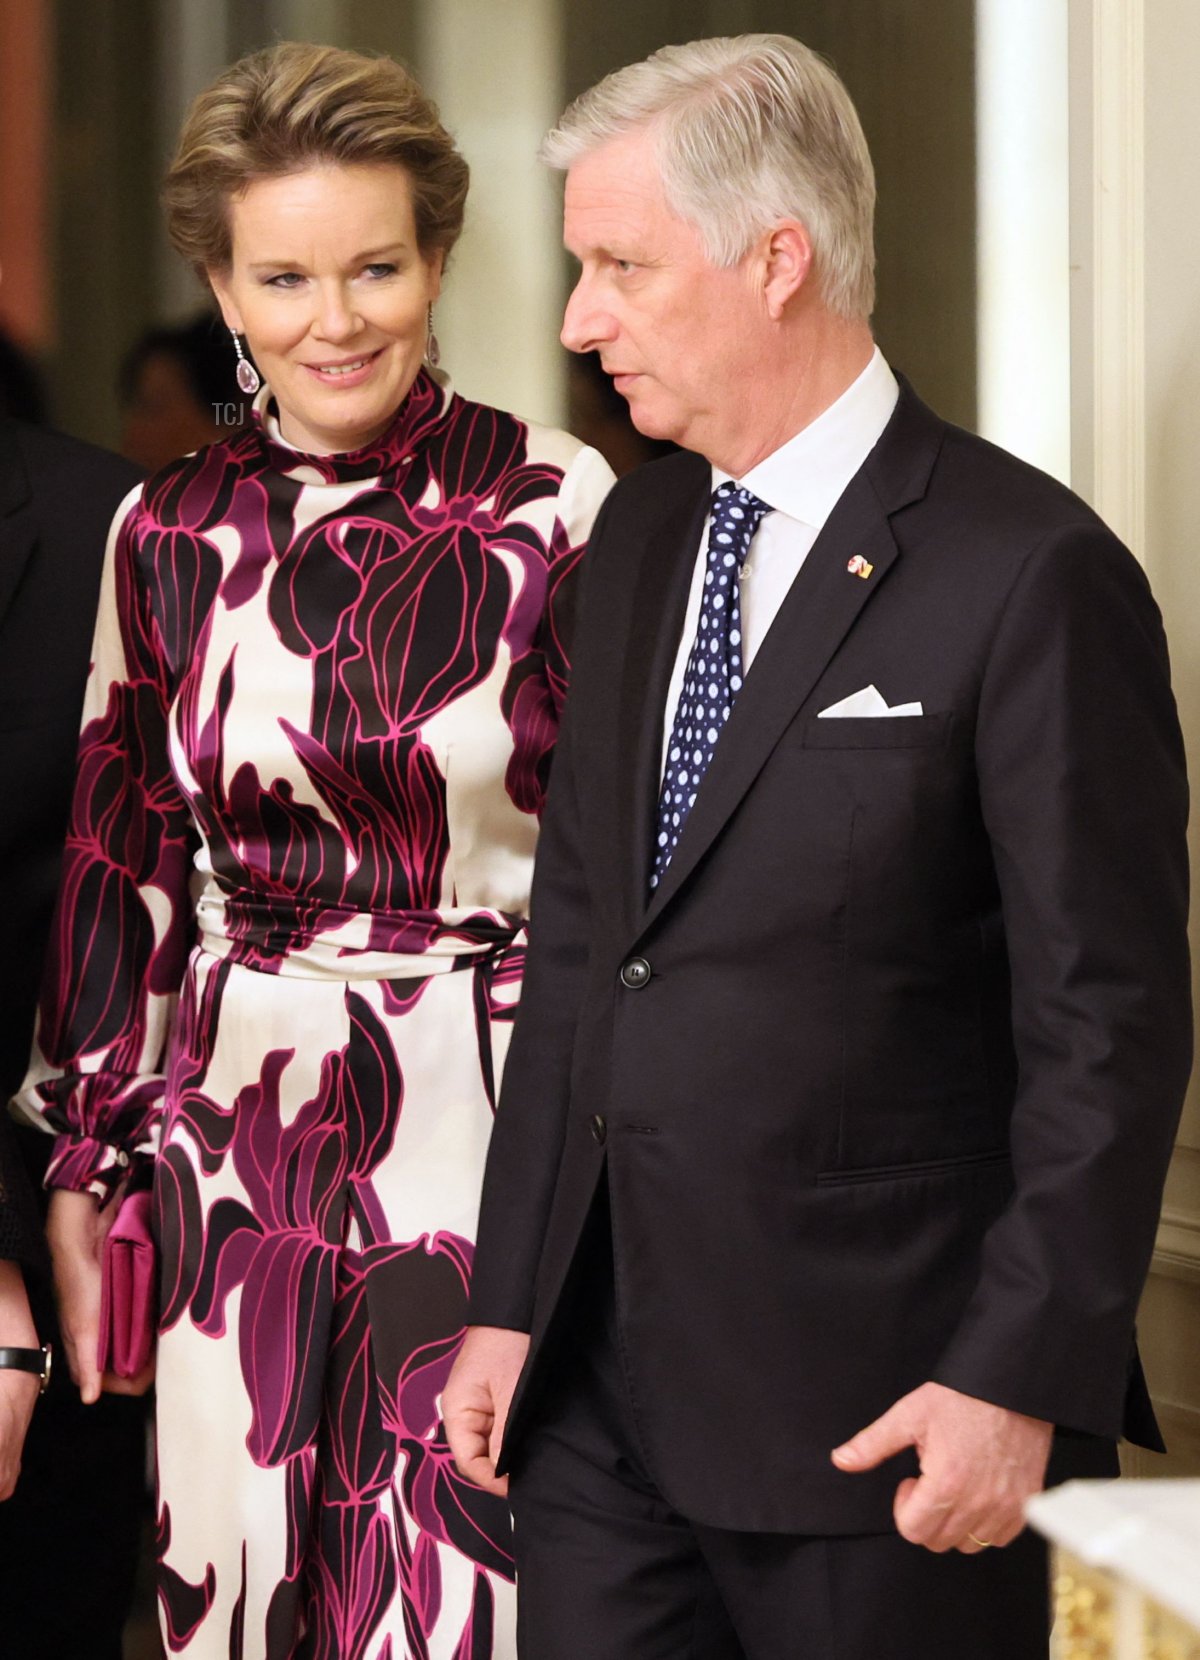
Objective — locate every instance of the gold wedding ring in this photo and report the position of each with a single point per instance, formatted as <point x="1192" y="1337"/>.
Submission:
<point x="984" y="1544"/>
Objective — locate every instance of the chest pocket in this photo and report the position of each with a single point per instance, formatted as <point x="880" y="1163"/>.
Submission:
<point x="876" y="732"/>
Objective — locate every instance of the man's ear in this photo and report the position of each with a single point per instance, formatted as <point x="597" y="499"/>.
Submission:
<point x="218" y="281"/>
<point x="787" y="260"/>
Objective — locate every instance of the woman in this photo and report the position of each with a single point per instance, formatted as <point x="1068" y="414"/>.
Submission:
<point x="327" y="679"/>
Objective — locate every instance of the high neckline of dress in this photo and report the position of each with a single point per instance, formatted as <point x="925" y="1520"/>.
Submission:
<point x="418" y="416"/>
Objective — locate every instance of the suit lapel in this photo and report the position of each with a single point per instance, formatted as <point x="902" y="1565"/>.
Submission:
<point x="661" y="562"/>
<point x="17" y="529"/>
<point x="820" y="608"/>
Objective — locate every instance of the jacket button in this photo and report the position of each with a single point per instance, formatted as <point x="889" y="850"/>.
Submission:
<point x="599" y="1130"/>
<point x="635" y="973"/>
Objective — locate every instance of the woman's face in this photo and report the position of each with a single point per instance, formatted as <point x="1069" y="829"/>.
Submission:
<point x="328" y="285"/>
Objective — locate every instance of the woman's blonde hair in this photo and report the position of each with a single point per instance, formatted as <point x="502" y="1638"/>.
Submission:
<point x="294" y="106"/>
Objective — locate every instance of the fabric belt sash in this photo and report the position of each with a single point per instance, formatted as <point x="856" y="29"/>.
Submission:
<point x="310" y="941"/>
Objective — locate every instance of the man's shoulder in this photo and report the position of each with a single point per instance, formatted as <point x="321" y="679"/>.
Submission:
<point x="978" y="499"/>
<point x="658" y="487"/>
<point x="1015" y="490"/>
<point x="965" y="467"/>
<point x="53" y="463"/>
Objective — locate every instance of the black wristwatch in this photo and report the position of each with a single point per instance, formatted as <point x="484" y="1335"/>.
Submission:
<point x="38" y="1361"/>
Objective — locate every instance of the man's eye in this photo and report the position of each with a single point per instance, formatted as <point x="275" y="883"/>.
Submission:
<point x="625" y="266"/>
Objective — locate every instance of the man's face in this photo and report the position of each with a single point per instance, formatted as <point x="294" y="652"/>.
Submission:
<point x="676" y="332"/>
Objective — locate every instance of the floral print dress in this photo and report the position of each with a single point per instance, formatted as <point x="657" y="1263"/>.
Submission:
<point x="287" y="955"/>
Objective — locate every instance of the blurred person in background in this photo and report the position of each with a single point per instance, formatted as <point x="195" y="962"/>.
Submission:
<point x="326" y="687"/>
<point x="76" y="1515"/>
<point x="178" y="392"/>
<point x="21" y="394"/>
<point x="598" y="415"/>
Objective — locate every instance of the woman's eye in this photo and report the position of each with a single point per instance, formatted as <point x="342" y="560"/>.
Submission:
<point x="381" y="270"/>
<point x="285" y="279"/>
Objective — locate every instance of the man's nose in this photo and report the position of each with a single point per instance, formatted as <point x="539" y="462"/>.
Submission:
<point x="586" y="325"/>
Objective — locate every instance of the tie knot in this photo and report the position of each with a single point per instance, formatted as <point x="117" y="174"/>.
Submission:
<point x="730" y="496"/>
<point x="736" y="515"/>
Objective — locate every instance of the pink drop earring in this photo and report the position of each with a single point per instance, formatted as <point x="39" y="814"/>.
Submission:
<point x="433" y="352"/>
<point x="247" y="374"/>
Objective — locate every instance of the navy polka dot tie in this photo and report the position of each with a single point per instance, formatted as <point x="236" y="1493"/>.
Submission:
<point x="713" y="676"/>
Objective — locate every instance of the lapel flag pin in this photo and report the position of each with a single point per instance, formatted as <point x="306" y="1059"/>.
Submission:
<point x="858" y="566"/>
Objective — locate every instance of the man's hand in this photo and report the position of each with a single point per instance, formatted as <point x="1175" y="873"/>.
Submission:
<point x="979" y="1464"/>
<point x="476" y="1399"/>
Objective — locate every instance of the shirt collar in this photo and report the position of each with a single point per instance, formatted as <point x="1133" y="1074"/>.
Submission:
<point x="805" y="477"/>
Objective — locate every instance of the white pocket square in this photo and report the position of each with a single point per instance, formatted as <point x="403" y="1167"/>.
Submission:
<point x="868" y="702"/>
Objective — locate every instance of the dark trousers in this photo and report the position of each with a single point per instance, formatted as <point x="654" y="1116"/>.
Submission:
<point x="70" y="1535"/>
<point x="607" y="1570"/>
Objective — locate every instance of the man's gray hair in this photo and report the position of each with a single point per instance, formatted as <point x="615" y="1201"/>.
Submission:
<point x="751" y="129"/>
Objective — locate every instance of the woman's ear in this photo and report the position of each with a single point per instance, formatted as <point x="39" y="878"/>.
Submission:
<point x="218" y="281"/>
<point x="436" y="265"/>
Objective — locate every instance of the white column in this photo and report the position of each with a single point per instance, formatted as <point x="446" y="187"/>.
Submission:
<point x="1023" y="163"/>
<point x="1109" y="261"/>
<point x="495" y="72"/>
<point x="1137" y="439"/>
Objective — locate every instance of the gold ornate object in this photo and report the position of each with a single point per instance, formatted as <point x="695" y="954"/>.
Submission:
<point x="1083" y="1612"/>
<point x="1086" y="1624"/>
<point x="1168" y="1638"/>
<point x="1125" y="1581"/>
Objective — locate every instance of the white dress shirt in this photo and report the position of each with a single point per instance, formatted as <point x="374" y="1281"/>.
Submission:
<point x="802" y="481"/>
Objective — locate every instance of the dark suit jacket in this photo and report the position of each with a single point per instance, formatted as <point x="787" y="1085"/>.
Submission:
<point x="57" y="499"/>
<point x="898" y="1095"/>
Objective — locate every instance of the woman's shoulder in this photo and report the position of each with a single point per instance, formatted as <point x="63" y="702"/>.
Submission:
<point x="584" y="470"/>
<point x="196" y="488"/>
<point x="538" y="442"/>
<point x="483" y="446"/>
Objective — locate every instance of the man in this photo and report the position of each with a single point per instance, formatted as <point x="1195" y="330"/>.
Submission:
<point x="856" y="1022"/>
<point x="69" y="1537"/>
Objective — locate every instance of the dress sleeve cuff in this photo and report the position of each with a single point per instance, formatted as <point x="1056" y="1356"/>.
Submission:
<point x="85" y="1165"/>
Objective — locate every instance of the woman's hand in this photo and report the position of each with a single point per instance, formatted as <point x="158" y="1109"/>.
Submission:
<point x="18" y="1390"/>
<point x="76" y="1228"/>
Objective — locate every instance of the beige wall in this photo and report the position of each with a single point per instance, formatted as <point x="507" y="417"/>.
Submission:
<point x="496" y="72"/>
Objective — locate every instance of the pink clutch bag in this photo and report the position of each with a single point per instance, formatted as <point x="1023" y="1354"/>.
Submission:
<point x="128" y="1294"/>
